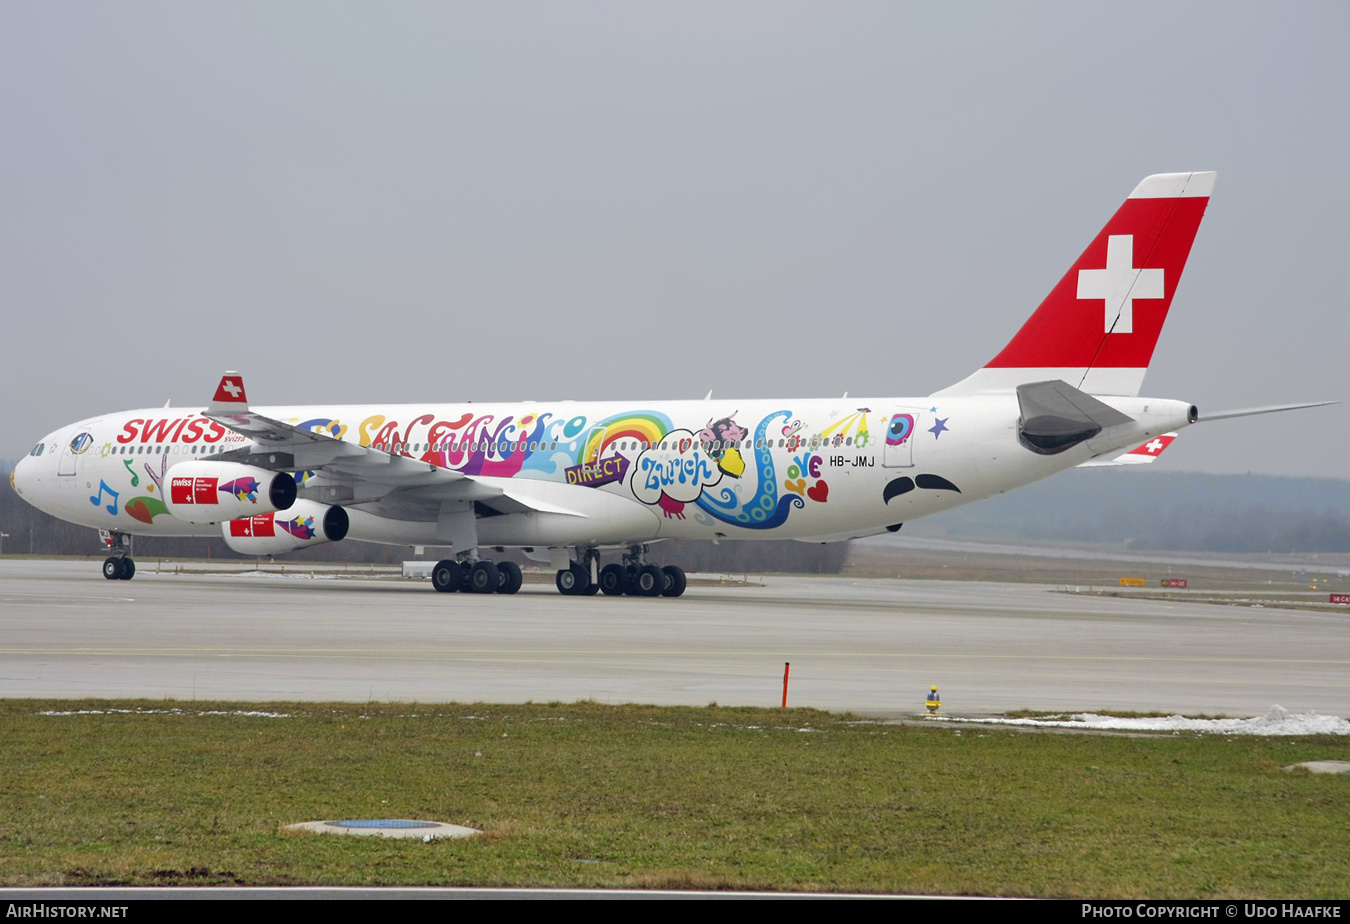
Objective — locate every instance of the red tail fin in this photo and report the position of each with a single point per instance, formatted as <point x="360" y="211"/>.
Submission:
<point x="1097" y="329"/>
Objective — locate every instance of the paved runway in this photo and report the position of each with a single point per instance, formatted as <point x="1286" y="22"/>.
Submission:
<point x="871" y="646"/>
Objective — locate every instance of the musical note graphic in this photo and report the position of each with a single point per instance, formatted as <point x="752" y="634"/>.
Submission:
<point x="97" y="499"/>
<point x="135" y="479"/>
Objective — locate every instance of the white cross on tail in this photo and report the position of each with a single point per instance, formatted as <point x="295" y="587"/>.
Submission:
<point x="1120" y="284"/>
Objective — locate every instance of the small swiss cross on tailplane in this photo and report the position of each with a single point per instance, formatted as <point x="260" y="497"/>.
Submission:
<point x="1139" y="455"/>
<point x="229" y="397"/>
<point x="1152" y="449"/>
<point x="1097" y="328"/>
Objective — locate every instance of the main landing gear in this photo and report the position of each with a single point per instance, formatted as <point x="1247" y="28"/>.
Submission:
<point x="575" y="581"/>
<point x="634" y="577"/>
<point x="476" y="577"/>
<point x="118" y="566"/>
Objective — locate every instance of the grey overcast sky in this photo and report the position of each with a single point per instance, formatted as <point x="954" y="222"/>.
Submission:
<point x="499" y="201"/>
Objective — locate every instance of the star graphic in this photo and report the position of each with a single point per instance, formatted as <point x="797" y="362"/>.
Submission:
<point x="937" y="428"/>
<point x="933" y="410"/>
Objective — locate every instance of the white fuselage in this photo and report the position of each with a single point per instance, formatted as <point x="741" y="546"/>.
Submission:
<point x="610" y="472"/>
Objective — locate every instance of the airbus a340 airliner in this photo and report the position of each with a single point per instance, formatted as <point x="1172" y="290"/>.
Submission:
<point x="562" y="481"/>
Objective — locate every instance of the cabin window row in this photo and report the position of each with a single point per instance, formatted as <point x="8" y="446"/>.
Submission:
<point x="157" y="449"/>
<point x="485" y="446"/>
<point x="622" y="445"/>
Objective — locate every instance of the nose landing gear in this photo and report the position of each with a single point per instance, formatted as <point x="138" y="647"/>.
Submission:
<point x="118" y="566"/>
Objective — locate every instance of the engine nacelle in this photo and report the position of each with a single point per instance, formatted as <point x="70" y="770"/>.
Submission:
<point x="202" y="491"/>
<point x="303" y="524"/>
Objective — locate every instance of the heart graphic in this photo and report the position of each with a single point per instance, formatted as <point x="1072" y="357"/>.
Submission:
<point x="819" y="493"/>
<point x="796" y="487"/>
<point x="685" y="444"/>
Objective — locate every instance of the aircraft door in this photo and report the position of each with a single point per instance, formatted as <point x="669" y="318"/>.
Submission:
<point x="898" y="450"/>
<point x="73" y="449"/>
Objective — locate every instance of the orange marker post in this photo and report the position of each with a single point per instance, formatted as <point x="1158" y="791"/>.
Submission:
<point x="786" y="665"/>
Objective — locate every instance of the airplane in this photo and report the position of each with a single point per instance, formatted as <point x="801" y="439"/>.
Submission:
<point x="565" y="481"/>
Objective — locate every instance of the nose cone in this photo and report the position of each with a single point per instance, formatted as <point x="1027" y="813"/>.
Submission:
<point x="18" y="479"/>
<point x="26" y="480"/>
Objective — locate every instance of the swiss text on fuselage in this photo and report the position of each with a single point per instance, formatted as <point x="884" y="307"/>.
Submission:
<point x="175" y="430"/>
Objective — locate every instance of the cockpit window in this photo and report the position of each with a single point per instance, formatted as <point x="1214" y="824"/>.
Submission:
<point x="37" y="450"/>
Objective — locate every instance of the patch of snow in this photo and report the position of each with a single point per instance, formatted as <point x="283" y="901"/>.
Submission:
<point x="288" y="575"/>
<point x="1278" y="721"/>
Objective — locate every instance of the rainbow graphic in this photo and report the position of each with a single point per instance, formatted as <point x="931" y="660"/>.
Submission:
<point x="646" y="426"/>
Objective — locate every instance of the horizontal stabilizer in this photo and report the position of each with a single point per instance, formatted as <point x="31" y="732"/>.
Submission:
<point x="1253" y="411"/>
<point x="1139" y="455"/>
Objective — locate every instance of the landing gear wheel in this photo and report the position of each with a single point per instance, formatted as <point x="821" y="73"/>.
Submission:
<point x="613" y="579"/>
<point x="508" y="572"/>
<point x="128" y="570"/>
<point x="112" y="569"/>
<point x="675" y="581"/>
<point x="591" y="590"/>
<point x="651" y="580"/>
<point x="483" y="578"/>
<point x="446" y="576"/>
<point x="572" y="581"/>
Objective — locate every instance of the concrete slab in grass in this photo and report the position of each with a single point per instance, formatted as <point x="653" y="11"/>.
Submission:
<point x="386" y="827"/>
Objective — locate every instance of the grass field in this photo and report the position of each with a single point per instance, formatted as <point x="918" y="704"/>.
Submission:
<point x="633" y="796"/>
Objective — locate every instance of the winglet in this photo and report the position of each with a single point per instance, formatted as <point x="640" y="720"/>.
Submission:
<point x="230" y="397"/>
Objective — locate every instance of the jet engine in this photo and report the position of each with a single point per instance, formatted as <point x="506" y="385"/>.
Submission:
<point x="303" y="524"/>
<point x="202" y="491"/>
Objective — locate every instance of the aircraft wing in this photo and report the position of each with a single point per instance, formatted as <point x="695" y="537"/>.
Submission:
<point x="344" y="472"/>
<point x="1139" y="455"/>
